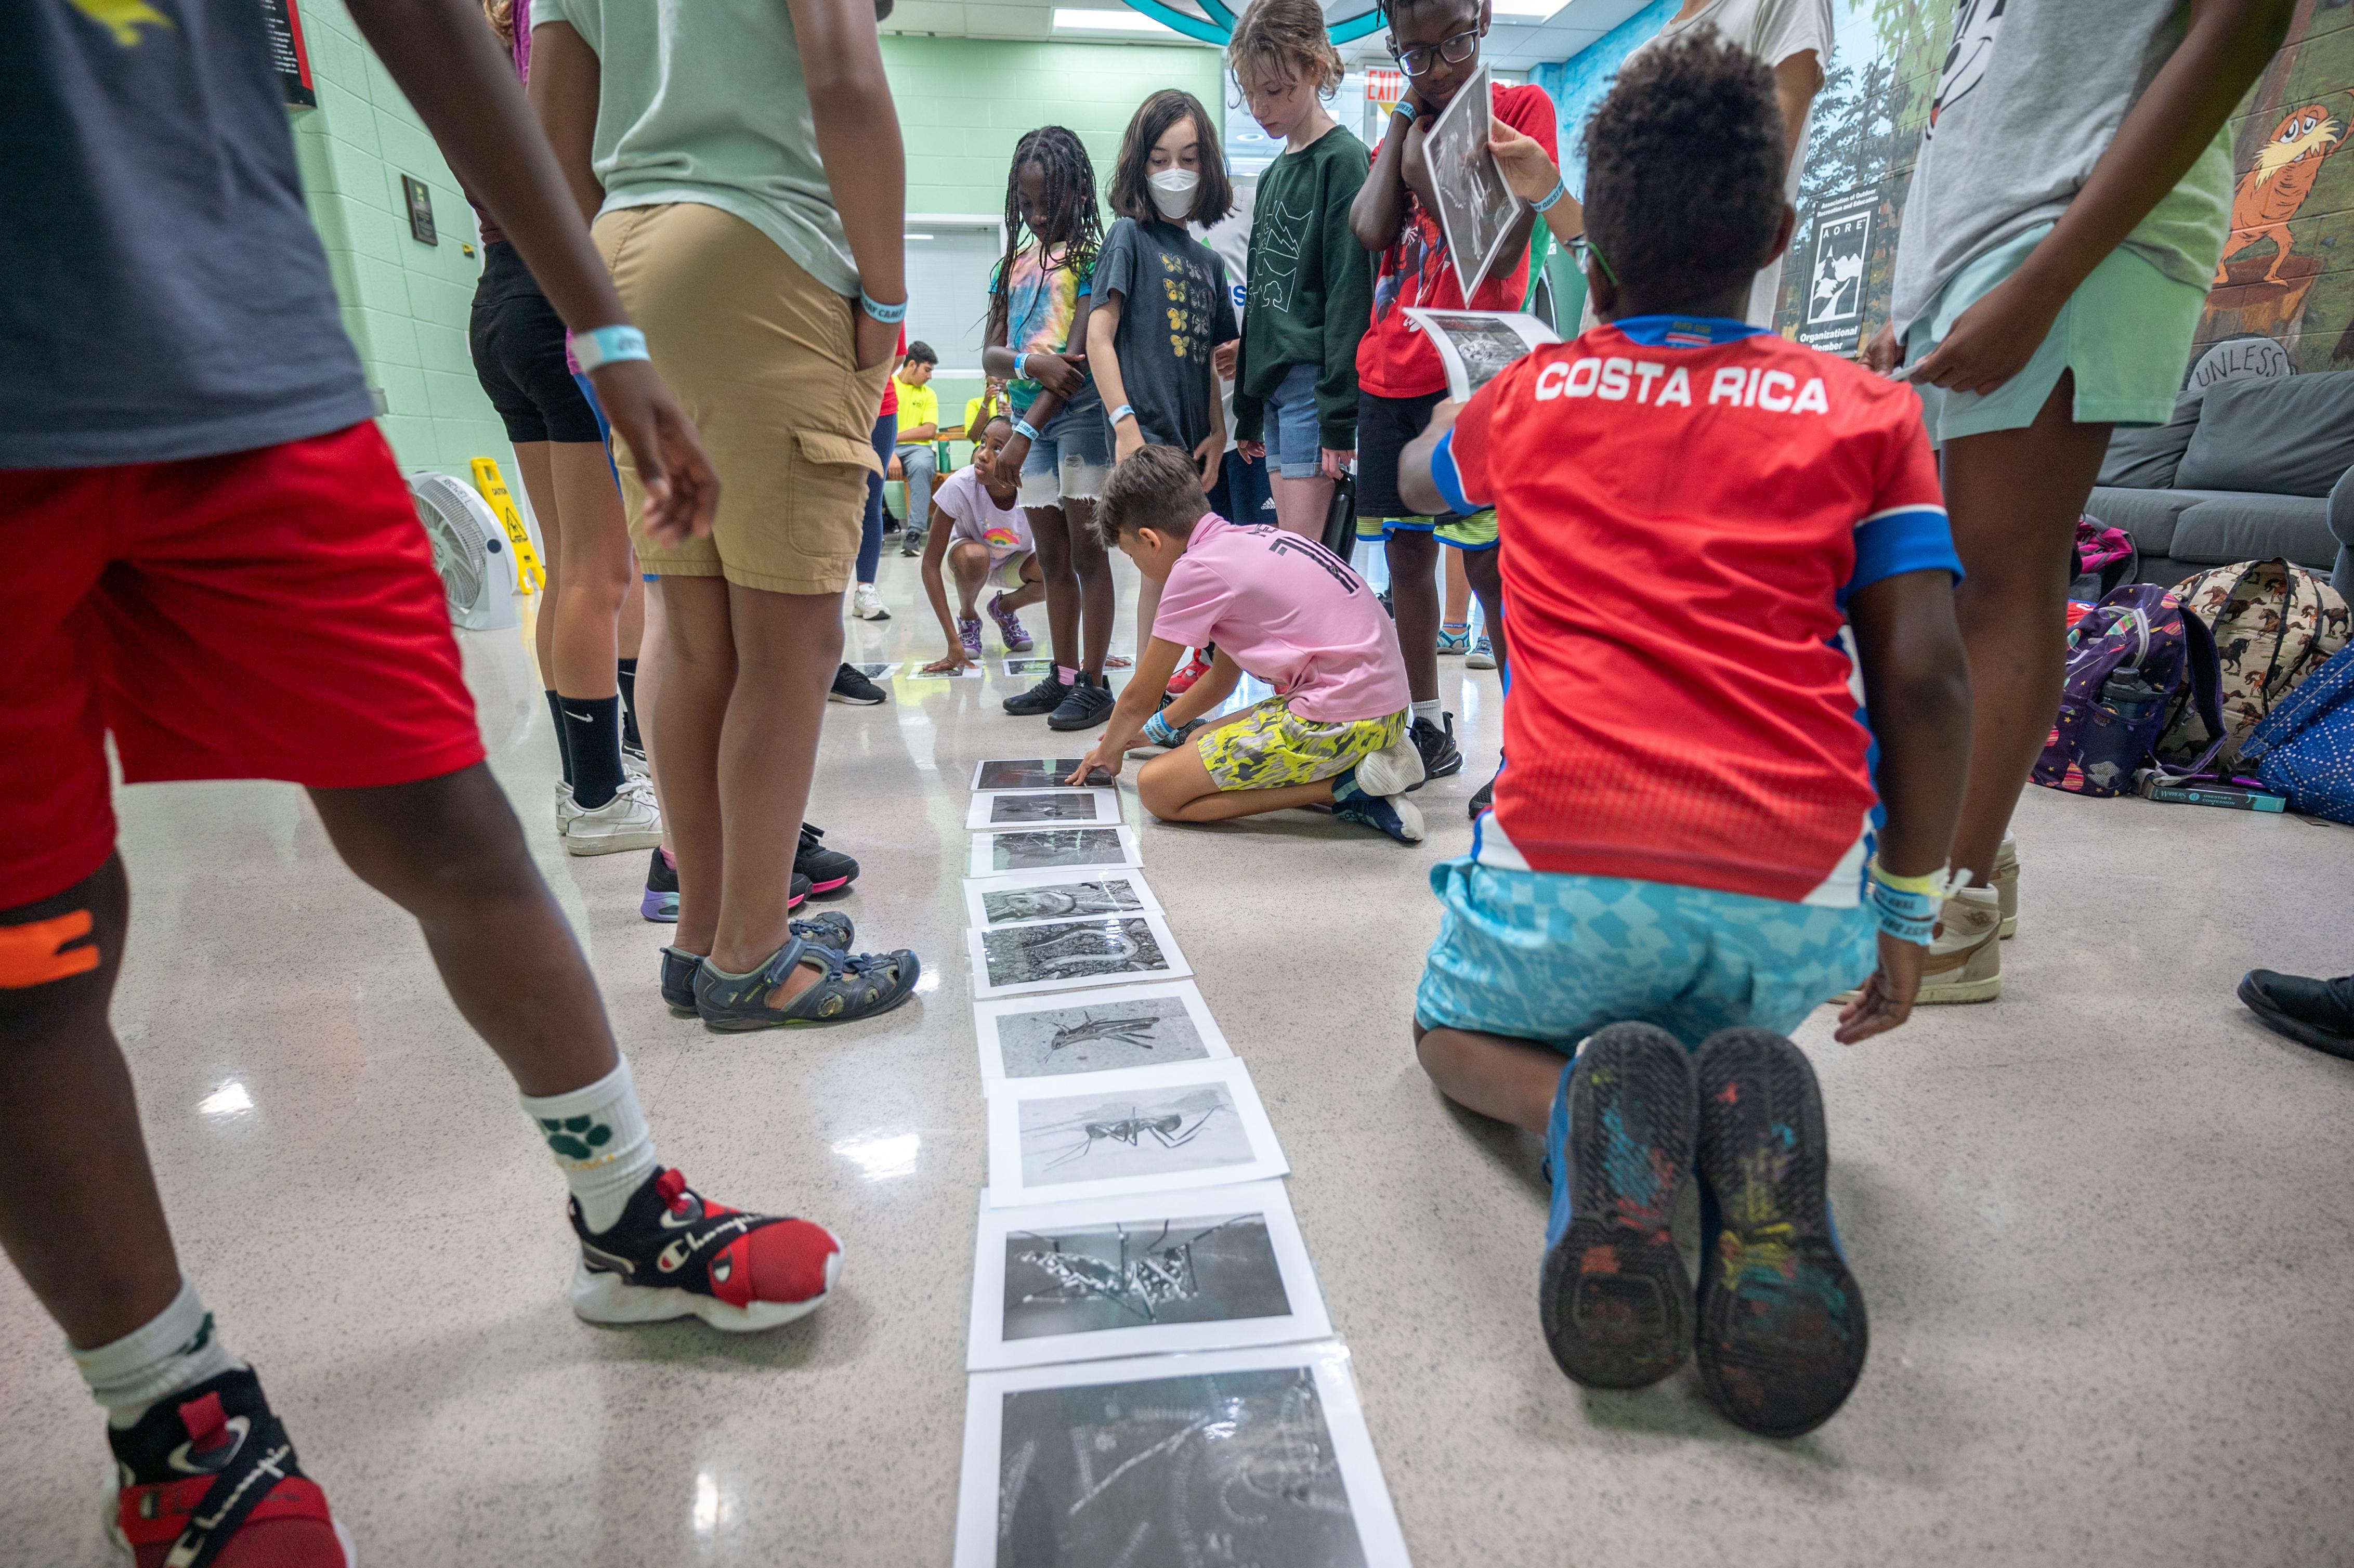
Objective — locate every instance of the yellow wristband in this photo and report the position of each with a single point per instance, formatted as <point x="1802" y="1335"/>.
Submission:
<point x="1932" y="883"/>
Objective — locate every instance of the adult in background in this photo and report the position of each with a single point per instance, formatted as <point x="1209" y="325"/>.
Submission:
<point x="919" y="426"/>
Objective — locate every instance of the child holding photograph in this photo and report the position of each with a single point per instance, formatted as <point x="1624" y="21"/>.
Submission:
<point x="982" y="536"/>
<point x="1289" y="612"/>
<point x="1707" y="534"/>
<point x="1399" y="374"/>
<point x="1308" y="288"/>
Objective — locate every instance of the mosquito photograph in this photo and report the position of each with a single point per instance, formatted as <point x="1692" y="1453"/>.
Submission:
<point x="1026" y="773"/>
<point x="1056" y="895"/>
<point x="1146" y="1129"/>
<point x="877" y="671"/>
<point x="1038" y="849"/>
<point x="1023" y="808"/>
<point x="1010" y="960"/>
<point x="1475" y="208"/>
<point x="1085" y="1032"/>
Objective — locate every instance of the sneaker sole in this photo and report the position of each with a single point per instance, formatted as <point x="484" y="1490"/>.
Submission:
<point x="1613" y="1296"/>
<point x="605" y="1299"/>
<point x="1783" y="1335"/>
<point x="853" y="701"/>
<point x="612" y="844"/>
<point x="662" y="908"/>
<point x="1447" y="768"/>
<point x="111" y="1521"/>
<point x="1945" y="993"/>
<point x="839" y="882"/>
<point x="1474" y="662"/>
<point x="751" y="1025"/>
<point x="2296" y="1029"/>
<point x="1089" y="722"/>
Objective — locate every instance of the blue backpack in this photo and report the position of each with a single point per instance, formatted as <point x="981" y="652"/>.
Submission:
<point x="2305" y="748"/>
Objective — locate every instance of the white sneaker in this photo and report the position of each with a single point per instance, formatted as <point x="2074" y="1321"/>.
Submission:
<point x="1966" y="957"/>
<point x="629" y="821"/>
<point x="634" y="763"/>
<point x="566" y="809"/>
<point x="867" y="605"/>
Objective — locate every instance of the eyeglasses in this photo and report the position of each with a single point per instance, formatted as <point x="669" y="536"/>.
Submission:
<point x="1581" y="247"/>
<point x="1416" y="60"/>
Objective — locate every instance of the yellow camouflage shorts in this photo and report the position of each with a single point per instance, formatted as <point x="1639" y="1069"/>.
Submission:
<point x="1270" y="747"/>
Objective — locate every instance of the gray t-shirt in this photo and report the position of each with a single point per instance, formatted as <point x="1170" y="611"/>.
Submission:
<point x="165" y="295"/>
<point x="705" y="102"/>
<point x="1174" y="309"/>
<point x="2032" y="95"/>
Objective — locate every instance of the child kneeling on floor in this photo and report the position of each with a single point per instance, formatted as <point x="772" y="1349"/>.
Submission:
<point x="1286" y="610"/>
<point x="1707" y="531"/>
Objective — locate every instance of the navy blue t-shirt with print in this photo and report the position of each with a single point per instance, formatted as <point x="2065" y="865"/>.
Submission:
<point x="165" y="295"/>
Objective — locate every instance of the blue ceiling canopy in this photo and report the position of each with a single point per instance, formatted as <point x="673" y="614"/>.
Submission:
<point x="1216" y="25"/>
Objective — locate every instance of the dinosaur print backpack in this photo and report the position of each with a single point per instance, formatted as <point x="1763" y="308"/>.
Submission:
<point x="2273" y="623"/>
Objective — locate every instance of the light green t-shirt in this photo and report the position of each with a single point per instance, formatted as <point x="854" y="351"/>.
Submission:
<point x="703" y="100"/>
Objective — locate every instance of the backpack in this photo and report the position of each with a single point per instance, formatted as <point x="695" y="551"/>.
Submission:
<point x="2106" y="559"/>
<point x="2273" y="624"/>
<point x="2140" y="627"/>
<point x="2304" y="747"/>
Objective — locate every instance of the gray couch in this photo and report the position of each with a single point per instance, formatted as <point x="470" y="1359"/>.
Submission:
<point x="2252" y="470"/>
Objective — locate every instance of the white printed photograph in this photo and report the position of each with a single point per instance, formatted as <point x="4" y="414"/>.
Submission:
<point x="1476" y="345"/>
<point x="1221" y="1457"/>
<point x="1076" y="1032"/>
<point x="882" y="672"/>
<point x="1029" y="773"/>
<point x="1024" y="667"/>
<point x="1475" y="208"/>
<point x="1148" y="1130"/>
<point x="1060" y="955"/>
<point x="1020" y="897"/>
<point x="914" y="669"/>
<point x="1215" y="1269"/>
<point x="1041" y="807"/>
<point x="1036" y="849"/>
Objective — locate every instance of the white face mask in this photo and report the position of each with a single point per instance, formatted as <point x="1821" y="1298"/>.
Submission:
<point x="1172" y="192"/>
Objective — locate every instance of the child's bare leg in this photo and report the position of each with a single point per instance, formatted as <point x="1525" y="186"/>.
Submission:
<point x="1511" y="1080"/>
<point x="1148" y="610"/>
<point x="1414" y="594"/>
<point x="1483" y="571"/>
<point x="1302" y="504"/>
<point x="2014" y="497"/>
<point x="1050" y="529"/>
<point x="1177" y="788"/>
<point x="1033" y="589"/>
<point x="1093" y="567"/>
<point x="969" y="561"/>
<point x="1457" y="609"/>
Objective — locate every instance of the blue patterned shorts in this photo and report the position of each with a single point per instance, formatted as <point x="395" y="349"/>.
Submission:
<point x="1546" y="956"/>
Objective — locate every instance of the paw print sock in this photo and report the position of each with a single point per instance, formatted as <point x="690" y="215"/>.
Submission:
<point x="598" y="1136"/>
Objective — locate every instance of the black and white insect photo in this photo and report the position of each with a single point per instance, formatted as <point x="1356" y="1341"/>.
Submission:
<point x="1233" y="1457"/>
<point x="1021" y="896"/>
<point x="1475" y="208"/>
<point x="1027" y="773"/>
<point x="1027" y="808"/>
<point x="1095" y="1032"/>
<point x="1057" y="954"/>
<point x="1023" y="667"/>
<point x="1035" y="848"/>
<point x="1146" y="1129"/>
<point x="1211" y="1269"/>
<point x="877" y="671"/>
<point x="1475" y="346"/>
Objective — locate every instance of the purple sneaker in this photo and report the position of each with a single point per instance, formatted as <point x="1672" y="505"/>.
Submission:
<point x="1009" y="627"/>
<point x="969" y="633"/>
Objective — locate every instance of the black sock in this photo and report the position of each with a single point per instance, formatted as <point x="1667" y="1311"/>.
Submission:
<point x="593" y="727"/>
<point x="563" y="741"/>
<point x="628" y="677"/>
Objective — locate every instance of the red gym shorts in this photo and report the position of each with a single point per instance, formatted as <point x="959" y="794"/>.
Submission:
<point x="266" y="614"/>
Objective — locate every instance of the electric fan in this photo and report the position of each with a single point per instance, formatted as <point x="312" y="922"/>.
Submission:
<point x="469" y="551"/>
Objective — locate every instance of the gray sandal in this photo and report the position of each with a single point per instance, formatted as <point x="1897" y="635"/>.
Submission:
<point x="851" y="986"/>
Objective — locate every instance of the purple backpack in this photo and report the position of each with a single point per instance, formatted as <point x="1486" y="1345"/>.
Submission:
<point x="2140" y="629"/>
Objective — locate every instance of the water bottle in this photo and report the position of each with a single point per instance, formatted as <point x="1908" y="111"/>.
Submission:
<point x="2117" y="739"/>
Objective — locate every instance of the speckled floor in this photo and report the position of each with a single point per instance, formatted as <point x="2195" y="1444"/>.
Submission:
<point x="2100" y="1223"/>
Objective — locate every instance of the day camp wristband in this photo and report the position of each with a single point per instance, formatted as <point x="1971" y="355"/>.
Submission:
<point x="1907" y="906"/>
<point x="1027" y="431"/>
<point x="1159" y="731"/>
<point x="1553" y="196"/>
<point x="888" y="314"/>
<point x="604" y="344"/>
<point x="1125" y="411"/>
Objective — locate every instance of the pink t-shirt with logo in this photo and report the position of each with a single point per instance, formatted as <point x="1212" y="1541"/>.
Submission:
<point x="1291" y="613"/>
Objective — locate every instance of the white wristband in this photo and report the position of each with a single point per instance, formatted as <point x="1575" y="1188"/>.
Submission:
<point x="603" y="345"/>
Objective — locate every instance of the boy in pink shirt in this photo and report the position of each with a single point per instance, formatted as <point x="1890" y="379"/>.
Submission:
<point x="1291" y="613"/>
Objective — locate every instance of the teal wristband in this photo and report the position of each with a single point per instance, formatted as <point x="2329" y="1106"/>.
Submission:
<point x="1159" y="731"/>
<point x="890" y="315"/>
<point x="1027" y="431"/>
<point x="1125" y="411"/>
<point x="1553" y="197"/>
<point x="604" y="344"/>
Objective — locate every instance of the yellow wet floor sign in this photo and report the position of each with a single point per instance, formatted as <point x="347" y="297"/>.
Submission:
<point x="530" y="577"/>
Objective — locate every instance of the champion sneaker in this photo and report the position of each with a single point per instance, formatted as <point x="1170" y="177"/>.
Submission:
<point x="850" y="686"/>
<point x="827" y="870"/>
<point x="1044" y="697"/>
<point x="629" y="821"/>
<point x="1456" y="640"/>
<point x="208" y="1476"/>
<point x="1782" y="1335"/>
<point x="680" y="968"/>
<point x="674" y="1253"/>
<point x="867" y="604"/>
<point x="2005" y="885"/>
<point x="2315" y="1012"/>
<point x="1440" y="760"/>
<point x="969" y="634"/>
<point x="1010" y="630"/>
<point x="1392" y="814"/>
<point x="1482" y="655"/>
<point x="1086" y="703"/>
<point x="660" y="904"/>
<point x="1193" y="670"/>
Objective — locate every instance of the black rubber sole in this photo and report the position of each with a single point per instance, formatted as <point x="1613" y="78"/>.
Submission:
<point x="1783" y="1334"/>
<point x="1613" y="1296"/>
<point x="1094" y="717"/>
<point x="2296" y="1029"/>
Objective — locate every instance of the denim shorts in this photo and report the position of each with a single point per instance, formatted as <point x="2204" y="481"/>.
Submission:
<point x="1070" y="458"/>
<point x="1549" y="957"/>
<point x="1294" y="435"/>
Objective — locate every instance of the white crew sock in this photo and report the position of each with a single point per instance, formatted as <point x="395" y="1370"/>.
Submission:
<point x="1431" y="710"/>
<point x="176" y="1349"/>
<point x="598" y="1136"/>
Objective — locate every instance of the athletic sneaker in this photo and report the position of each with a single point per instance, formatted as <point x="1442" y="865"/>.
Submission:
<point x="1782" y="1334"/>
<point x="1086" y="703"/>
<point x="850" y="986"/>
<point x="629" y="821"/>
<point x="969" y="633"/>
<point x="1392" y="814"/>
<point x="826" y="869"/>
<point x="1454" y="638"/>
<point x="1388" y="608"/>
<point x="1010" y="629"/>
<point x="2315" y="1012"/>
<point x="680" y="968"/>
<point x="1044" y="697"/>
<point x="1482" y="655"/>
<point x="1193" y="670"/>
<point x="1440" y="760"/>
<point x="2005" y="877"/>
<point x="208" y="1475"/>
<point x="1484" y="798"/>
<point x="634" y="763"/>
<point x="913" y="546"/>
<point x="1965" y="961"/>
<point x="852" y="686"/>
<point x="673" y="1254"/>
<point x="867" y="604"/>
<point x="1613" y="1296"/>
<point x="660" y="903"/>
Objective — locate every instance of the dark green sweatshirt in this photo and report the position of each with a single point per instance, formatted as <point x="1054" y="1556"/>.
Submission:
<point x="1311" y="289"/>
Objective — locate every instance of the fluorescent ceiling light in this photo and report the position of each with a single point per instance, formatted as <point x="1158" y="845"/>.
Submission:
<point x="1068" y="19"/>
<point x="918" y="236"/>
<point x="1526" y="10"/>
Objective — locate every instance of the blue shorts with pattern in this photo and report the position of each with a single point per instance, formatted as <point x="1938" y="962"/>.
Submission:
<point x="1551" y="957"/>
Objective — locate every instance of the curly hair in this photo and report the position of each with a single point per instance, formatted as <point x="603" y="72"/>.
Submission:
<point x="1131" y="193"/>
<point x="1072" y="221"/>
<point x="1684" y="163"/>
<point x="500" y="15"/>
<point x="1284" y="39"/>
<point x="1159" y="487"/>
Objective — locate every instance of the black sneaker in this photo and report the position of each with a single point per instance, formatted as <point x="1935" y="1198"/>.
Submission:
<point x="674" y="1255"/>
<point x="660" y="903"/>
<point x="828" y="870"/>
<point x="1043" y="698"/>
<point x="1484" y="798"/>
<point x="850" y="686"/>
<point x="1086" y="703"/>
<point x="2315" y="1012"/>
<point x="1440" y="760"/>
<point x="208" y="1471"/>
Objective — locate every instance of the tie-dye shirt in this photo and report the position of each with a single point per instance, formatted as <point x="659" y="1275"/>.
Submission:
<point x="1042" y="307"/>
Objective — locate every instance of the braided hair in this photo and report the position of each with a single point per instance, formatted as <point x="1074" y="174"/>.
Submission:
<point x="1072" y="218"/>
